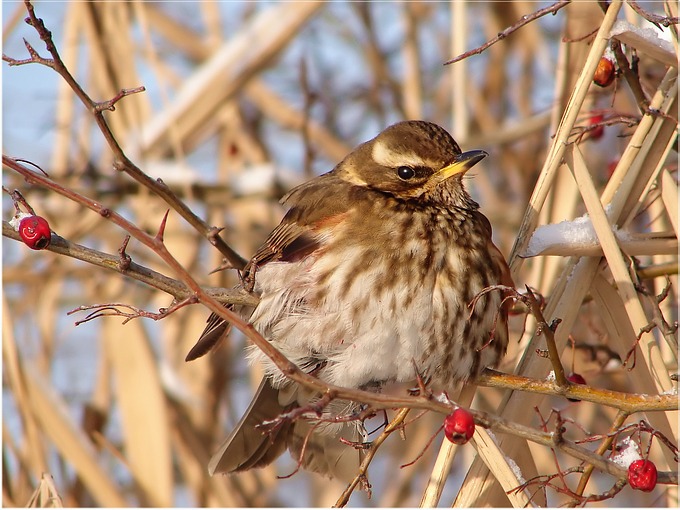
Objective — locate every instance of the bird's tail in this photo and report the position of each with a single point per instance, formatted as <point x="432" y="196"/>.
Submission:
<point x="247" y="447"/>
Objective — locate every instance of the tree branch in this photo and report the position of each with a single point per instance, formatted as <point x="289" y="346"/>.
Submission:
<point x="121" y="161"/>
<point x="528" y="18"/>
<point x="135" y="271"/>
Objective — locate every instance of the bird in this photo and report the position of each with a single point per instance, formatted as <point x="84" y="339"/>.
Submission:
<point x="367" y="281"/>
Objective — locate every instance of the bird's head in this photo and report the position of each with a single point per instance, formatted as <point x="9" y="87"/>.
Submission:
<point x="412" y="160"/>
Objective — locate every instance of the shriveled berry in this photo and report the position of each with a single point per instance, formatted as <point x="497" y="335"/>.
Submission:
<point x="604" y="73"/>
<point x="642" y="475"/>
<point x="576" y="379"/>
<point x="35" y="232"/>
<point x="459" y="426"/>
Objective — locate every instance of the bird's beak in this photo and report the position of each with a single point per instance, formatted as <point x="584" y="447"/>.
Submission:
<point x="461" y="164"/>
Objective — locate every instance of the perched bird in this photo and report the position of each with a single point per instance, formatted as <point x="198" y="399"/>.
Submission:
<point x="368" y="278"/>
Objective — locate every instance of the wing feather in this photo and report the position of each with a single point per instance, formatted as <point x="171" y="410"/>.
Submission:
<point x="297" y="236"/>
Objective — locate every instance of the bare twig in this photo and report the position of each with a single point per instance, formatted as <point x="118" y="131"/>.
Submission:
<point x="624" y="401"/>
<point x="110" y="104"/>
<point x="657" y="20"/>
<point x="118" y="310"/>
<point x="606" y="444"/>
<point x="527" y="18"/>
<point x="631" y="76"/>
<point x="633" y="350"/>
<point x="18" y="200"/>
<point x="424" y="449"/>
<point x="395" y="424"/>
<point x="626" y="120"/>
<point x="543" y="327"/>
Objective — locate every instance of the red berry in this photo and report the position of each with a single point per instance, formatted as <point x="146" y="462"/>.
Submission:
<point x="35" y="232"/>
<point x="459" y="426"/>
<point x="576" y="379"/>
<point x="596" y="132"/>
<point x="604" y="73"/>
<point x="642" y="475"/>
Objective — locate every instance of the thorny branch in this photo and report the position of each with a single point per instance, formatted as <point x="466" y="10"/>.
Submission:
<point x="121" y="161"/>
<point x="577" y="498"/>
<point x="143" y="274"/>
<point x="639" y="428"/>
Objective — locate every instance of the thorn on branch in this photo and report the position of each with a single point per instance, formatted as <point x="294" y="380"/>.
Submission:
<point x="161" y="229"/>
<point x="125" y="259"/>
<point x="224" y="265"/>
<point x="421" y="388"/>
<point x="110" y="104"/>
<point x="553" y="324"/>
<point x="213" y="234"/>
<point x="34" y="165"/>
<point x="31" y="51"/>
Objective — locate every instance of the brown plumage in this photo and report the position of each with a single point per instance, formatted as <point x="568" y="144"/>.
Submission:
<point x="370" y="271"/>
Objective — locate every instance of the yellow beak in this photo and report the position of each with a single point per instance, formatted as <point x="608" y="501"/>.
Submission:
<point x="463" y="162"/>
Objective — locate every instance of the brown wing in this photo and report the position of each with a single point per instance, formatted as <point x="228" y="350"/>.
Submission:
<point x="215" y="330"/>
<point x="505" y="278"/>
<point x="496" y="255"/>
<point x="309" y="209"/>
<point x="293" y="239"/>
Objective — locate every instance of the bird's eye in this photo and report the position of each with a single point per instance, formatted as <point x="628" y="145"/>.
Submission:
<point x="406" y="172"/>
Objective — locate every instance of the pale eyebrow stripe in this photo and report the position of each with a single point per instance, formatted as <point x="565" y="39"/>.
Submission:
<point x="385" y="157"/>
